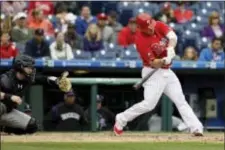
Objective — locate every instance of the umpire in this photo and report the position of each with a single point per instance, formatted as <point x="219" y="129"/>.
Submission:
<point x="13" y="85"/>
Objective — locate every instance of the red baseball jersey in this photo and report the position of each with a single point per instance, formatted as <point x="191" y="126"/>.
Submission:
<point x="151" y="47"/>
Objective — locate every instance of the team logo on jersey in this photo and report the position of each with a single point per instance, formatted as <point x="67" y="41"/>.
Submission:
<point x="20" y="86"/>
<point x="157" y="49"/>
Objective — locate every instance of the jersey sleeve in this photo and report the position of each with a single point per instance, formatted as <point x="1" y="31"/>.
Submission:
<point x="163" y="28"/>
<point x="5" y="84"/>
<point x="41" y="79"/>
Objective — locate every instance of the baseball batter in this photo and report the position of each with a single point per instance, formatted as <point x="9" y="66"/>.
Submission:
<point x="155" y="44"/>
<point x="13" y="85"/>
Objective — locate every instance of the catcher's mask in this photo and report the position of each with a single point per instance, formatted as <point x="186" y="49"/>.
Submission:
<point x="25" y="65"/>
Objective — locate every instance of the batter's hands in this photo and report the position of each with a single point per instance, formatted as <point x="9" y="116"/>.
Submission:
<point x="157" y="63"/>
<point x="16" y="99"/>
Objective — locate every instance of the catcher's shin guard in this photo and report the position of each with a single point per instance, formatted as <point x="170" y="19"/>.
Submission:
<point x="3" y="109"/>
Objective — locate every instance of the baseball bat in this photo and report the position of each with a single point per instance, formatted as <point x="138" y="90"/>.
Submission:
<point x="138" y="85"/>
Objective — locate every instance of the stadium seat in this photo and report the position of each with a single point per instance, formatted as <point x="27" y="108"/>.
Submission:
<point x="195" y="27"/>
<point x="173" y="5"/>
<point x="203" y="20"/>
<point x="202" y="42"/>
<point x="125" y="16"/>
<point x="131" y="48"/>
<point x="179" y="28"/>
<point x="78" y="54"/>
<point x="113" y="47"/>
<point x="205" y="12"/>
<point x="190" y="38"/>
<point x="109" y="46"/>
<point x="126" y="6"/>
<point x="146" y="5"/>
<point x="155" y="9"/>
<point x="141" y="10"/>
<point x="20" y="47"/>
<point x="129" y="55"/>
<point x="195" y="7"/>
<point x="50" y="39"/>
<point x="110" y="6"/>
<point x="105" y="55"/>
<point x="118" y="49"/>
<point x="210" y="5"/>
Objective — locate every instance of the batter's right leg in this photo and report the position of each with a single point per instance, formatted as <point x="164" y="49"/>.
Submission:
<point x="174" y="91"/>
<point x="153" y="89"/>
<point x="19" y="121"/>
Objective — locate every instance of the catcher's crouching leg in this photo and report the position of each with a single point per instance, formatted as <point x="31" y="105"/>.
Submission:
<point x="31" y="128"/>
<point x="2" y="109"/>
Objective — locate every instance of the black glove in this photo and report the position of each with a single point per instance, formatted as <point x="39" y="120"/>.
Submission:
<point x="8" y="102"/>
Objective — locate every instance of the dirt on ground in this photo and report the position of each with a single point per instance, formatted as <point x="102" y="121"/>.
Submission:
<point x="109" y="137"/>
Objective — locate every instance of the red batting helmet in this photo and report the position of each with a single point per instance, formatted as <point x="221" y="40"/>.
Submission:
<point x="145" y="22"/>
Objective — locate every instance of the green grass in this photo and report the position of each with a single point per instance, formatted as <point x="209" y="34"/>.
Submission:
<point x="112" y="146"/>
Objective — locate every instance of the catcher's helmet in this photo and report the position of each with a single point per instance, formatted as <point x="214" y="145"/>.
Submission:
<point x="145" y="22"/>
<point x="24" y="61"/>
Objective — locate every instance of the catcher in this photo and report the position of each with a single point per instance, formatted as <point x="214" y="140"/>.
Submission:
<point x="13" y="85"/>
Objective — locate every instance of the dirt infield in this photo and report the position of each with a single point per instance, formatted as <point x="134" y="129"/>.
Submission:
<point x="109" y="137"/>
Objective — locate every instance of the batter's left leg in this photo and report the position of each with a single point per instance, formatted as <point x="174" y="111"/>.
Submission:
<point x="174" y="91"/>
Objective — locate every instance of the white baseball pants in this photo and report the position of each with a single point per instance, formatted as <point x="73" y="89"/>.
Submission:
<point x="162" y="81"/>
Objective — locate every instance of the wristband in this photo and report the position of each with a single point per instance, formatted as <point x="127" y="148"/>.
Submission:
<point x="7" y="96"/>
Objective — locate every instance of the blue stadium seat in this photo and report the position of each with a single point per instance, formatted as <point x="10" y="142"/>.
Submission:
<point x="195" y="7"/>
<point x="141" y="10"/>
<point x="78" y="54"/>
<point x="202" y="42"/>
<point x="179" y="28"/>
<point x="110" y="6"/>
<point x="126" y="5"/>
<point x="155" y="9"/>
<point x="138" y="4"/>
<point x="195" y="27"/>
<point x="173" y="5"/>
<point x="110" y="46"/>
<point x="129" y="55"/>
<point x="131" y="48"/>
<point x="206" y="12"/>
<point x="50" y="39"/>
<point x="20" y="47"/>
<point x="118" y="49"/>
<point x="203" y="20"/>
<point x="210" y="5"/>
<point x="105" y="55"/>
<point x="125" y="16"/>
<point x="146" y="5"/>
<point x="190" y="38"/>
<point x="203" y="12"/>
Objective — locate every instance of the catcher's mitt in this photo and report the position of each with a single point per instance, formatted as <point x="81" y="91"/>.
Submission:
<point x="64" y="83"/>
